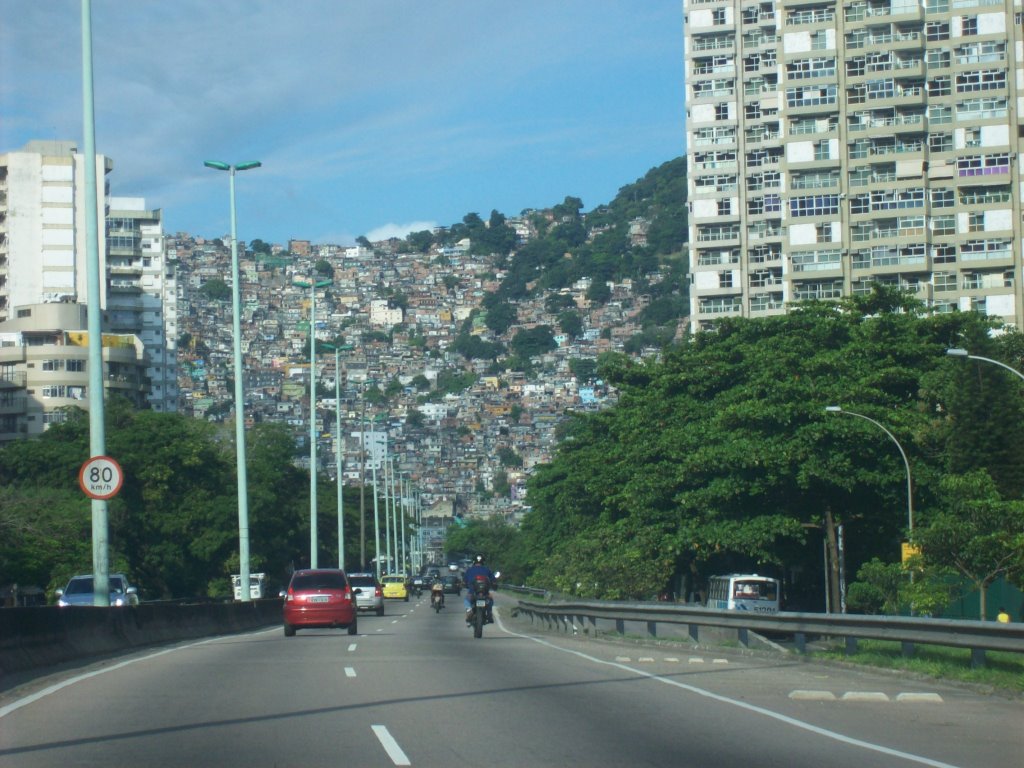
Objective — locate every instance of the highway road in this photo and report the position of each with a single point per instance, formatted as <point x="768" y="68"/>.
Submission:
<point x="414" y="688"/>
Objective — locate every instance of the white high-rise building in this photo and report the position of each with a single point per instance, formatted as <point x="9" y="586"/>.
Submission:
<point x="43" y="253"/>
<point x="832" y="146"/>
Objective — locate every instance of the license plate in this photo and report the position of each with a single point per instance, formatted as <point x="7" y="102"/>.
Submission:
<point x="481" y="603"/>
<point x="319" y="599"/>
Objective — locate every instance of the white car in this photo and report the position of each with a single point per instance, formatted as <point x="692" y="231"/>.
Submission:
<point x="79" y="591"/>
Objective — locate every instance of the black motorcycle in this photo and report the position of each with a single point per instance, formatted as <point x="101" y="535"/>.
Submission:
<point x="480" y="605"/>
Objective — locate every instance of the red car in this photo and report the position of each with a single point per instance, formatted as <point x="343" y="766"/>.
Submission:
<point x="319" y="598"/>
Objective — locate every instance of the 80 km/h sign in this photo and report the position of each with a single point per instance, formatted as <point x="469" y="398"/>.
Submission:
<point x="100" y="477"/>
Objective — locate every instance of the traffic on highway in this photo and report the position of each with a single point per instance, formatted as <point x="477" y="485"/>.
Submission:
<point x="413" y="687"/>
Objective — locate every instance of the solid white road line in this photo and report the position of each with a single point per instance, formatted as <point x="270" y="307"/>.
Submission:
<point x="825" y="732"/>
<point x="24" y="702"/>
<point x="387" y="741"/>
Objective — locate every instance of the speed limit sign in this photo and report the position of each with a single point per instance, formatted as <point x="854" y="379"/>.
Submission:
<point x="100" y="477"/>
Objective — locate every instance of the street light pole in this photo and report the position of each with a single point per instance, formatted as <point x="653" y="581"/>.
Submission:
<point x="313" y="543"/>
<point x="236" y="326"/>
<point x="906" y="462"/>
<point x="957" y="352"/>
<point x="338" y="462"/>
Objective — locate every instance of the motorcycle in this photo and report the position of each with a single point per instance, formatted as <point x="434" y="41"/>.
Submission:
<point x="480" y="605"/>
<point x="436" y="600"/>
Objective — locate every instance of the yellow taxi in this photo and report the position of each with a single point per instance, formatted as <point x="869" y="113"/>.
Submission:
<point x="394" y="588"/>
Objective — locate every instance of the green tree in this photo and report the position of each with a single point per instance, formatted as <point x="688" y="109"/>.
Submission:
<point x="975" y="531"/>
<point x="533" y="341"/>
<point x="215" y="289"/>
<point x="571" y="324"/>
<point x="324" y="268"/>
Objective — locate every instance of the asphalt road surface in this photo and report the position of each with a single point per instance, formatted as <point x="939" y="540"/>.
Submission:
<point x="415" y="688"/>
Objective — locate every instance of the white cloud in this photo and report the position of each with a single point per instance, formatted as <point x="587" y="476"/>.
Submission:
<point x="398" y="230"/>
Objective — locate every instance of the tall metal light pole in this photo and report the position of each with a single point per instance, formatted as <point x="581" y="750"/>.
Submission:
<point x="97" y="430"/>
<point x="906" y="463"/>
<point x="313" y="543"/>
<point x="338" y="460"/>
<point x="957" y="352"/>
<point x="236" y="326"/>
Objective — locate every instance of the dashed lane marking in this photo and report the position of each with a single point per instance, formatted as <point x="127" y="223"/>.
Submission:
<point x="350" y="672"/>
<point x="398" y="757"/>
<point x="351" y="647"/>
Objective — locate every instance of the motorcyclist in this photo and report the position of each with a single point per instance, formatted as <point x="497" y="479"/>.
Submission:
<point x="481" y="571"/>
<point x="437" y="592"/>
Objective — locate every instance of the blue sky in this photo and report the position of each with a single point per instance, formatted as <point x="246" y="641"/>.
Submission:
<point x="371" y="118"/>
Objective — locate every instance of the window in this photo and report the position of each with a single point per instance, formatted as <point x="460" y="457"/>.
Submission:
<point x="55" y="390"/>
<point x="806" y="68"/>
<point x="984" y="195"/>
<point x="718" y="17"/>
<point x="980" y="80"/>
<point x="940" y="142"/>
<point x="823" y="150"/>
<point x="814" y="205"/>
<point x="939" y="86"/>
<point x="944" y="281"/>
<point x="968" y="25"/>
<point x="943" y="254"/>
<point x="725" y="207"/>
<point x="942" y="198"/>
<point x="819" y="41"/>
<point x="981" y="109"/>
<point x="937" y="58"/>
<point x="52" y="365"/>
<point x="725" y="279"/>
<point x="823" y="232"/>
<point x="722" y="111"/>
<point x="939" y="114"/>
<point x="976" y="222"/>
<point x="936" y="30"/>
<point x="860" y="204"/>
<point x="983" y="165"/>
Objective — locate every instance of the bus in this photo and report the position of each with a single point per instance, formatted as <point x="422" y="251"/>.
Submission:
<point x="744" y="592"/>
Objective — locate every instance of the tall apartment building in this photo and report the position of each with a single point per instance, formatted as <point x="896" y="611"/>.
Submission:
<point x="835" y="145"/>
<point x="43" y="247"/>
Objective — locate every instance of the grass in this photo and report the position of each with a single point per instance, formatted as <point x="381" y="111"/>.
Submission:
<point x="1003" y="671"/>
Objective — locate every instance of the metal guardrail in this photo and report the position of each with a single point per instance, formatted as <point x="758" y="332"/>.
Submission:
<point x="978" y="636"/>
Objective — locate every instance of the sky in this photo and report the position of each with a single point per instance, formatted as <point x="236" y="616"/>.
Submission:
<point x="373" y="118"/>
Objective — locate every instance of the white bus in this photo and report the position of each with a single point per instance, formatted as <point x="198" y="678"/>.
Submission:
<point x="744" y="592"/>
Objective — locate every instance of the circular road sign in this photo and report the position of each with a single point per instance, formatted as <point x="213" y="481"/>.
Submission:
<point x="100" y="477"/>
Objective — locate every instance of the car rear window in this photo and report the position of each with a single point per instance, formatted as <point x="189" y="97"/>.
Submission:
<point x="318" y="581"/>
<point x="362" y="581"/>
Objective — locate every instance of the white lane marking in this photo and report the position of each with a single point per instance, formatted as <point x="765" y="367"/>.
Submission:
<point x="352" y="647"/>
<point x="31" y="699"/>
<point x="834" y="735"/>
<point x="387" y="741"/>
<point x="350" y="672"/>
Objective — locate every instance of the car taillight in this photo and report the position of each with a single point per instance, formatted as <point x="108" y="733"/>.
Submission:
<point x="347" y="594"/>
<point x="378" y="592"/>
<point x="290" y="595"/>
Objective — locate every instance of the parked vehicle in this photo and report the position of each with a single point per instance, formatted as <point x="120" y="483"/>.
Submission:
<point x="395" y="588"/>
<point x="79" y="591"/>
<point x="369" y="594"/>
<point x="319" y="598"/>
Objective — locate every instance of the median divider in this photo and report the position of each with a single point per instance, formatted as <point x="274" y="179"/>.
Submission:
<point x="38" y="637"/>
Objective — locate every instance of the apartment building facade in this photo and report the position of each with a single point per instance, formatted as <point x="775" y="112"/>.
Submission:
<point x="832" y="146"/>
<point x="43" y="248"/>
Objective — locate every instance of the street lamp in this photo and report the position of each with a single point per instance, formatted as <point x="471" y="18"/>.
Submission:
<point x="243" y="497"/>
<point x="957" y="352"/>
<point x="338" y="451"/>
<point x="312" y="285"/>
<point x="906" y="463"/>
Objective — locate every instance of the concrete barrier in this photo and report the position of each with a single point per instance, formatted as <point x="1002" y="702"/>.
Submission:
<point x="44" y="636"/>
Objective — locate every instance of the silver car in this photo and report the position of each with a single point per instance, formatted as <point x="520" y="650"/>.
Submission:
<point x="79" y="591"/>
<point x="370" y="597"/>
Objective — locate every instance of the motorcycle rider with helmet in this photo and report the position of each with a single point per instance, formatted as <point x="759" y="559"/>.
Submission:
<point x="437" y="592"/>
<point x="478" y="571"/>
